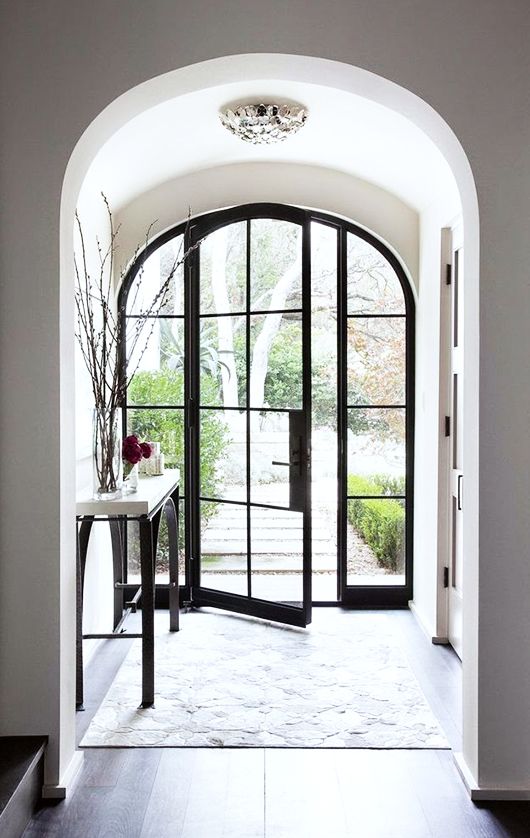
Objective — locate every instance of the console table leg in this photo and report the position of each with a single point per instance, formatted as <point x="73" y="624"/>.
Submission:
<point x="172" y="518"/>
<point x="117" y="568"/>
<point x="82" y="538"/>
<point x="147" y="562"/>
<point x="79" y="630"/>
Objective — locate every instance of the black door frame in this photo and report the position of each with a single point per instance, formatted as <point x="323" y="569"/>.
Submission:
<point x="369" y="596"/>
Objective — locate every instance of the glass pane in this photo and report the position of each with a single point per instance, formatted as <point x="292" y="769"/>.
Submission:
<point x="376" y="542"/>
<point x="376" y="452"/>
<point x="165" y="427"/>
<point x="223" y="457"/>
<point x="275" y="265"/>
<point x="160" y="282"/>
<point x="324" y="410"/>
<point x="376" y="361"/>
<point x="269" y="440"/>
<point x="373" y="285"/>
<point x="224" y="547"/>
<point x="223" y="266"/>
<point x="223" y="361"/>
<point x="156" y="362"/>
<point x="276" y="361"/>
<point x="277" y="555"/>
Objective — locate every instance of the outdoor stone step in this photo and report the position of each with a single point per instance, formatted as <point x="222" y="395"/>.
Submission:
<point x="276" y="563"/>
<point x="286" y="519"/>
<point x="230" y="511"/>
<point x="264" y="547"/>
<point x="241" y="523"/>
<point x="263" y="533"/>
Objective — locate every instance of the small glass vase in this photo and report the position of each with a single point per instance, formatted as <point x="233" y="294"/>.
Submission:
<point x="130" y="482"/>
<point x="107" y="453"/>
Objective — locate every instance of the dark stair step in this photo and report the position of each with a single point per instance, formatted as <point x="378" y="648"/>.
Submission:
<point x="21" y="780"/>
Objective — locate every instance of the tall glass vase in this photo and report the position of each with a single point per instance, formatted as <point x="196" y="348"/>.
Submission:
<point x="107" y="453"/>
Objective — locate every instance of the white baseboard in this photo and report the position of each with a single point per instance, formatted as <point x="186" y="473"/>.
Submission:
<point x="89" y="649"/>
<point x="477" y="792"/>
<point x="64" y="787"/>
<point x="437" y="639"/>
<point x="419" y="619"/>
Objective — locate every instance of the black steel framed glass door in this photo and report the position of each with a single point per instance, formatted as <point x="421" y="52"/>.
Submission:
<point x="289" y="332"/>
<point x="247" y="300"/>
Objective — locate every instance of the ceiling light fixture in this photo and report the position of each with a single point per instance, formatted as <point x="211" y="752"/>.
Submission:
<point x="264" y="123"/>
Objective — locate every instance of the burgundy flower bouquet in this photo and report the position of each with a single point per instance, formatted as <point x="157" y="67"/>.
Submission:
<point x="132" y="452"/>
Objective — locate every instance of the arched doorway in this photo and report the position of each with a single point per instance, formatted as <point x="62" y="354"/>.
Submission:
<point x="364" y="84"/>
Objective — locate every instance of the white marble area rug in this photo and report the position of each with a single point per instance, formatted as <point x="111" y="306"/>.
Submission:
<point x="231" y="681"/>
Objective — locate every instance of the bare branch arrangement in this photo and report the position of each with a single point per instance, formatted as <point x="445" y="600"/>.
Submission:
<point x="101" y="338"/>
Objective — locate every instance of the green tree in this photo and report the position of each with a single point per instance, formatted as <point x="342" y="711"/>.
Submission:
<point x="166" y="424"/>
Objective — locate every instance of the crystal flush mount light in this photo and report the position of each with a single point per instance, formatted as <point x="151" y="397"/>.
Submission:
<point x="263" y="123"/>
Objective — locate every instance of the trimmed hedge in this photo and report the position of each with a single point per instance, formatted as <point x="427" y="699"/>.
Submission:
<point x="380" y="523"/>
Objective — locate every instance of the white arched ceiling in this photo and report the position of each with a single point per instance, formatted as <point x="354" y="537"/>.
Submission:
<point x="344" y="132"/>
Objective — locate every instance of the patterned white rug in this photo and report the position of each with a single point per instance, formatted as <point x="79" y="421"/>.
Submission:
<point x="231" y="681"/>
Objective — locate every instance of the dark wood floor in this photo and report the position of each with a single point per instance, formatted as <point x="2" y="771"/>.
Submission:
<point x="281" y="793"/>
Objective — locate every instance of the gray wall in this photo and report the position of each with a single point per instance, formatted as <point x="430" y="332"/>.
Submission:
<point x="62" y="62"/>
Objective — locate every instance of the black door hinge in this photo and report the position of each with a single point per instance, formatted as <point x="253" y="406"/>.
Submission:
<point x="448" y="426"/>
<point x="448" y="274"/>
<point x="446" y="577"/>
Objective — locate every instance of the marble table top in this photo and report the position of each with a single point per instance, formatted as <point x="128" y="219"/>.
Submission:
<point x="151" y="491"/>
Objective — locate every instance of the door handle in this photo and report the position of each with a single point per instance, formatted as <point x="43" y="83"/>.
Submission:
<point x="459" y="492"/>
<point x="293" y="452"/>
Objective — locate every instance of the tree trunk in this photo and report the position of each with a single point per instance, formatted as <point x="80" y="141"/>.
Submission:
<point x="262" y="345"/>
<point x="224" y="324"/>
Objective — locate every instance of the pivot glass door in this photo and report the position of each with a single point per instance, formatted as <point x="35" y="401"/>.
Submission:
<point x="249" y="435"/>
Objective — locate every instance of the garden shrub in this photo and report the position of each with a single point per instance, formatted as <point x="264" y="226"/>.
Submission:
<point x="379" y="522"/>
<point x="389" y="484"/>
<point x="166" y="426"/>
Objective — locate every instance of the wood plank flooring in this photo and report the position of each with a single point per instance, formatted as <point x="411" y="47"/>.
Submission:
<point x="281" y="793"/>
<point x="255" y="793"/>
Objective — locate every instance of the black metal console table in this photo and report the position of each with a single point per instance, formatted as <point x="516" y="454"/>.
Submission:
<point x="155" y="496"/>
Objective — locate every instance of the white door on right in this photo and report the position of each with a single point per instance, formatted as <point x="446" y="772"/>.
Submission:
<point x="456" y="508"/>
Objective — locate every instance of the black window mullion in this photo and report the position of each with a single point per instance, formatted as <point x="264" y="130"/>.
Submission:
<point x="342" y="411"/>
<point x="243" y="313"/>
<point x="375" y="497"/>
<point x="376" y="406"/>
<point x="192" y="391"/>
<point x="155" y="406"/>
<point x="248" y="412"/>
<point x="372" y="315"/>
